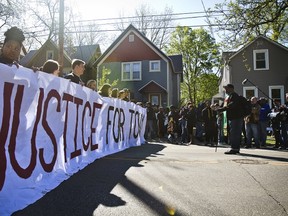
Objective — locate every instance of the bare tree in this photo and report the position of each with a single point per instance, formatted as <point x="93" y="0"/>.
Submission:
<point x="154" y="27"/>
<point x="41" y="22"/>
<point x="87" y="34"/>
<point x="10" y="11"/>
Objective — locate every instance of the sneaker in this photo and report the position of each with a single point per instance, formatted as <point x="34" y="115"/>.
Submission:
<point x="232" y="151"/>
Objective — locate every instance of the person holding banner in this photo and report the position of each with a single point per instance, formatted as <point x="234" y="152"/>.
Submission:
<point x="115" y="92"/>
<point x="92" y="84"/>
<point x="51" y="67"/>
<point x="78" y="68"/>
<point x="12" y="46"/>
<point x="105" y="90"/>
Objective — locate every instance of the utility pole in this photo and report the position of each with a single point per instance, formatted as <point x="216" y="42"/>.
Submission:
<point x="61" y="37"/>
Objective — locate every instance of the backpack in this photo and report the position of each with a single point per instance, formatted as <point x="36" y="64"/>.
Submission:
<point x="246" y="106"/>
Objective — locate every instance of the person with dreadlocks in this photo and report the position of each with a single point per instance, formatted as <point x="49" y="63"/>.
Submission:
<point x="12" y="46"/>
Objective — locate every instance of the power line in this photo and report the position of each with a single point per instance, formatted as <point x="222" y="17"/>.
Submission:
<point x="208" y="20"/>
<point x="153" y="15"/>
<point x="119" y="21"/>
<point x="116" y="30"/>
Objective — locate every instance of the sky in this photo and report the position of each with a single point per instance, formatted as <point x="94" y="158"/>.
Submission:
<point x="95" y="9"/>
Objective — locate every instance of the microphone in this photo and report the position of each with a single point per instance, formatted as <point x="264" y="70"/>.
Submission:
<point x="244" y="81"/>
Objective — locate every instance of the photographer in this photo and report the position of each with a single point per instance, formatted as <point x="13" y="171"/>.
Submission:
<point x="278" y="118"/>
<point x="252" y="124"/>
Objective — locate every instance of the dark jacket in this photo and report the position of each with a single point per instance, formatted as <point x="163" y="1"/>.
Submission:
<point x="74" y="78"/>
<point x="208" y="115"/>
<point x="234" y="107"/>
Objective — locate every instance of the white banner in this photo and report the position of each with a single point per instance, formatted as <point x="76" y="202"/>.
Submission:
<point x="51" y="128"/>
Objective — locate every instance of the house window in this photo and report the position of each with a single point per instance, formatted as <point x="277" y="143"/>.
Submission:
<point x="261" y="59"/>
<point x="49" y="54"/>
<point x="250" y="91"/>
<point x="155" y="99"/>
<point x="154" y="66"/>
<point x="131" y="71"/>
<point x="276" y="93"/>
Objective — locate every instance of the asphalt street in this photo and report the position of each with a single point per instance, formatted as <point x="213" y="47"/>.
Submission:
<point x="166" y="179"/>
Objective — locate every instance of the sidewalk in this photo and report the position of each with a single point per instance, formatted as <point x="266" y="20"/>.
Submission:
<point x="167" y="179"/>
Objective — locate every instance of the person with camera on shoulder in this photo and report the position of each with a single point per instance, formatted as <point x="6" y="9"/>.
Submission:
<point x="252" y="124"/>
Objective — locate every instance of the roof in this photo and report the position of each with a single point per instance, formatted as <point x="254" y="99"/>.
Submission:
<point x="27" y="57"/>
<point x="177" y="63"/>
<point x="151" y="86"/>
<point x="129" y="29"/>
<point x="257" y="38"/>
<point x="84" y="52"/>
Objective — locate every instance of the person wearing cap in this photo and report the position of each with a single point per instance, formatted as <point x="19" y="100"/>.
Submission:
<point x="12" y="46"/>
<point x="235" y="118"/>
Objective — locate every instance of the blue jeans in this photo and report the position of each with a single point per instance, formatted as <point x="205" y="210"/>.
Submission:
<point x="252" y="131"/>
<point x="263" y="131"/>
<point x="235" y="133"/>
<point x="220" y="131"/>
<point x="183" y="125"/>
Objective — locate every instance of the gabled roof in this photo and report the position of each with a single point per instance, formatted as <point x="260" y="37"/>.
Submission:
<point x="27" y="57"/>
<point x="177" y="63"/>
<point x="150" y="87"/>
<point x="122" y="36"/>
<point x="84" y="52"/>
<point x="33" y="54"/>
<point x="257" y="38"/>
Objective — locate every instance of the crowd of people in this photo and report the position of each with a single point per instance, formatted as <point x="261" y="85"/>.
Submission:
<point x="185" y="124"/>
<point x="10" y="54"/>
<point x="253" y="126"/>
<point x="205" y="123"/>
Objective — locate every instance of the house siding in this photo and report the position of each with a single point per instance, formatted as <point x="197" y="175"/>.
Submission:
<point x="123" y="49"/>
<point x="146" y="77"/>
<point x="242" y="67"/>
<point x="132" y="51"/>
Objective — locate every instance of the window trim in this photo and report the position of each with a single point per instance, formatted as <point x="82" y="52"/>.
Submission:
<point x="131" y="71"/>
<point x="266" y="53"/>
<point x="281" y="88"/>
<point x="150" y="66"/>
<point x="158" y="95"/>
<point x="47" y="54"/>
<point x="245" y="88"/>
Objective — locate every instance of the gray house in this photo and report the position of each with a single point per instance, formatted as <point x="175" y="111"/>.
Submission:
<point x="50" y="50"/>
<point x="144" y="69"/>
<point x="259" y="69"/>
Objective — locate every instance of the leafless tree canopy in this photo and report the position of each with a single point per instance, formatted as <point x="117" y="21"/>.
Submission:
<point x="154" y="27"/>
